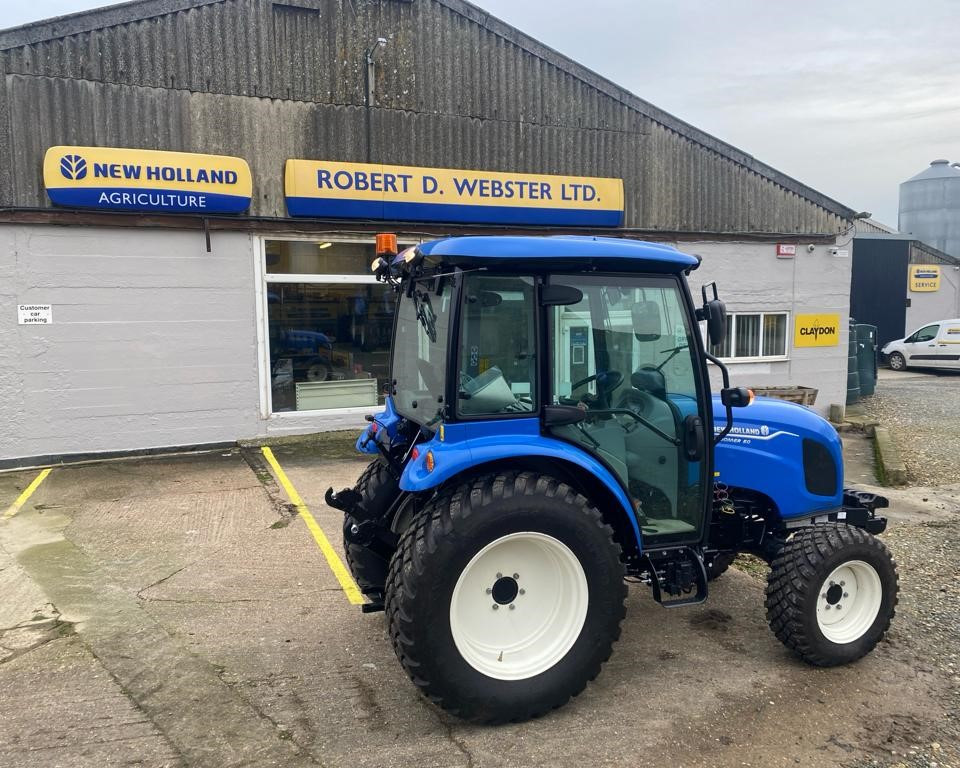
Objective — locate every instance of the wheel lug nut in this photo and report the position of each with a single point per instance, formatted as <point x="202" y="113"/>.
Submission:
<point x="523" y="591"/>
<point x="489" y="591"/>
<point x="828" y="607"/>
<point x="516" y="575"/>
<point x="496" y="607"/>
<point x="843" y="583"/>
<point x="499" y="575"/>
<point x="512" y="606"/>
<point x="839" y="606"/>
<point x="354" y="529"/>
<point x="846" y="594"/>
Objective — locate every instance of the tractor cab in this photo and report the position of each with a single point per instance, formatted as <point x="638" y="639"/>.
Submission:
<point x="549" y="431"/>
<point x="599" y="358"/>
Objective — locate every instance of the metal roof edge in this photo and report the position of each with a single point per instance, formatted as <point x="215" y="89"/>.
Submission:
<point x="95" y="18"/>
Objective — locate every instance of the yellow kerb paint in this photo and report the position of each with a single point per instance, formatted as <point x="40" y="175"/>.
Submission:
<point x="350" y="588"/>
<point x="27" y="493"/>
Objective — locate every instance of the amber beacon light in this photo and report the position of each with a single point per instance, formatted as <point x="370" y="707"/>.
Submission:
<point x="386" y="244"/>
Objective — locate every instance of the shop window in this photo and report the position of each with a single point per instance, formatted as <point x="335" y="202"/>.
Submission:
<point x="329" y="325"/>
<point x="754" y="335"/>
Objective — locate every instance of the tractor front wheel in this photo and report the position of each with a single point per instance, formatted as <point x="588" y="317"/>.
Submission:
<point x="831" y="593"/>
<point x="505" y="597"/>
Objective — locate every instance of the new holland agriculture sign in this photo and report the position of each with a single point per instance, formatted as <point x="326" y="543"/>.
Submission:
<point x="146" y="180"/>
<point x="326" y="189"/>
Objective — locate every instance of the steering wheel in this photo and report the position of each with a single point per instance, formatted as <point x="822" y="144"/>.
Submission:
<point x="607" y="381"/>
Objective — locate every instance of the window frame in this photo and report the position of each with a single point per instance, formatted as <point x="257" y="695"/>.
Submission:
<point x="731" y="320"/>
<point x="454" y="414"/>
<point x="264" y="278"/>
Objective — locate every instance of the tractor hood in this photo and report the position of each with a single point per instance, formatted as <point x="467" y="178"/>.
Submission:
<point x="784" y="451"/>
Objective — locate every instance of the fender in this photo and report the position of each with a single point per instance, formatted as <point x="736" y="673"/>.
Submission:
<point x="458" y="447"/>
<point x="384" y="423"/>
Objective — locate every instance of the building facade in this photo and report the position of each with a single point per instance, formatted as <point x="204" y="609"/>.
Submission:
<point x="163" y="300"/>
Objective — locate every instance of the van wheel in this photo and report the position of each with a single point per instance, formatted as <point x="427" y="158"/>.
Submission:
<point x="505" y="597"/>
<point x="897" y="361"/>
<point x="831" y="593"/>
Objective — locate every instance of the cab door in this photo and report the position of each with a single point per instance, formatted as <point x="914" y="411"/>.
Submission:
<point x="642" y="397"/>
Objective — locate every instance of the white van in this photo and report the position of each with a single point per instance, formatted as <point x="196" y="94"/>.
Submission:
<point x="936" y="345"/>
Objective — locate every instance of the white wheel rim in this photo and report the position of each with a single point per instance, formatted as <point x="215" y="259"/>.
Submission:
<point x="849" y="601"/>
<point x="531" y="632"/>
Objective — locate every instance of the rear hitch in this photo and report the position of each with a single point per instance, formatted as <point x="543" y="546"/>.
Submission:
<point x="346" y="500"/>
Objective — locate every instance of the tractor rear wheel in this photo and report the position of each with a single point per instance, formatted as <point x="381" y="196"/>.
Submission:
<point x="505" y="597"/>
<point x="378" y="489"/>
<point x="831" y="593"/>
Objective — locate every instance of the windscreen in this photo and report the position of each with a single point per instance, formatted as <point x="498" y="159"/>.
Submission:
<point x="420" y="349"/>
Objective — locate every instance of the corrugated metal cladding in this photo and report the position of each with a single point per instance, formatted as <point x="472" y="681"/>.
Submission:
<point x="456" y="88"/>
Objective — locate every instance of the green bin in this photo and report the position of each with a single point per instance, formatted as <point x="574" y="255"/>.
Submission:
<point x="866" y="336"/>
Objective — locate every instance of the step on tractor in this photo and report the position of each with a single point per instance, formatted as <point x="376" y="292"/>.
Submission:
<point x="548" y="435"/>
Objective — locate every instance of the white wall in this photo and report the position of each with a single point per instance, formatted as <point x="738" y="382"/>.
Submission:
<point x="930" y="306"/>
<point x="751" y="279"/>
<point x="155" y="341"/>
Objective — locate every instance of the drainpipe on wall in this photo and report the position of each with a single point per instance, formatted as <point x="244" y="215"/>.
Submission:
<point x="371" y="95"/>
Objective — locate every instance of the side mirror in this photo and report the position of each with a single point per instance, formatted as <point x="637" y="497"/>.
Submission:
<point x="715" y="313"/>
<point x="736" y="397"/>
<point x="646" y="320"/>
<point x="560" y="295"/>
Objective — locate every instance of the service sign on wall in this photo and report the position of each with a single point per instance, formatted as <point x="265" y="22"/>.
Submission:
<point x="326" y="189"/>
<point x="924" y="277"/>
<point x="146" y="180"/>
<point x="816" y="330"/>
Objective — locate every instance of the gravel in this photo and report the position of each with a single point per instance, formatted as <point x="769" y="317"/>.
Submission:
<point x="923" y="415"/>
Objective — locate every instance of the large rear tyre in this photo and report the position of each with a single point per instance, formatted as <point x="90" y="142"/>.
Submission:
<point x="378" y="489"/>
<point x="831" y="594"/>
<point x="505" y="597"/>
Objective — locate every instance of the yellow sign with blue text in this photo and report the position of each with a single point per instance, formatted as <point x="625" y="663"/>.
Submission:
<point x="146" y="180"/>
<point x="924" y="277"/>
<point x="816" y="330"/>
<point x="328" y="189"/>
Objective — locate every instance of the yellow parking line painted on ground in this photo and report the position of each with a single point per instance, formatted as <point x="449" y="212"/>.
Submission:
<point x="350" y="587"/>
<point x="27" y="493"/>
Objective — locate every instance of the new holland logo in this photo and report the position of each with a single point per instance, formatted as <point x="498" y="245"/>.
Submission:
<point x="73" y="167"/>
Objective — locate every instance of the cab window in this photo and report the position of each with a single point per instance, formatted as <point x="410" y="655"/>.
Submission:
<point x="497" y="371"/>
<point x="929" y="333"/>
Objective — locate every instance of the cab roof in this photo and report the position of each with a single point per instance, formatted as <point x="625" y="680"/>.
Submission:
<point x="543" y="252"/>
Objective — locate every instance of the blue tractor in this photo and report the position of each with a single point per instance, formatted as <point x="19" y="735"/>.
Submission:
<point x="548" y="434"/>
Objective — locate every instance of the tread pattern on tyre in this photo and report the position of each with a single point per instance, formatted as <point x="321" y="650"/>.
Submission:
<point x="439" y="519"/>
<point x="367" y="568"/>
<point x="791" y="579"/>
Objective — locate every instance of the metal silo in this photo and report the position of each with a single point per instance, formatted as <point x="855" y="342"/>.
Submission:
<point x="930" y="206"/>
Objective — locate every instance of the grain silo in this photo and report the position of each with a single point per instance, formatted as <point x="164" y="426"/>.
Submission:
<point x="930" y="206"/>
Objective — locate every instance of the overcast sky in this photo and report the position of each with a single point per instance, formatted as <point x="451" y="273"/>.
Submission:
<point x="849" y="97"/>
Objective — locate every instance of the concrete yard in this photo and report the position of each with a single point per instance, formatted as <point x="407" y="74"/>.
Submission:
<point x="174" y="612"/>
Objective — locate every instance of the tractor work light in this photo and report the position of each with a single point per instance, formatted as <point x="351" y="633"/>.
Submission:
<point x="429" y="462"/>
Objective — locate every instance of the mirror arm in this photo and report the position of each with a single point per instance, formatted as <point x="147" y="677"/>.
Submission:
<point x="726" y="383"/>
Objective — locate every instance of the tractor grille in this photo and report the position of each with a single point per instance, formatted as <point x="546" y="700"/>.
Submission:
<point x="819" y="469"/>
